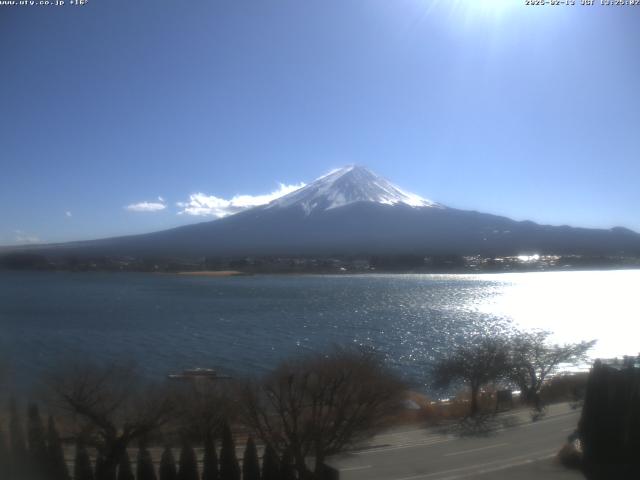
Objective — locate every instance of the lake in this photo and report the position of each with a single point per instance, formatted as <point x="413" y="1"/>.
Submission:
<point x="245" y="325"/>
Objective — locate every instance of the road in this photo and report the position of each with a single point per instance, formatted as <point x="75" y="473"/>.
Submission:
<point x="522" y="451"/>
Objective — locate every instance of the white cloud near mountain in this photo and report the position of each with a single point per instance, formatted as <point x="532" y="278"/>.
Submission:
<point x="154" y="206"/>
<point x="200" y="204"/>
<point x="23" y="238"/>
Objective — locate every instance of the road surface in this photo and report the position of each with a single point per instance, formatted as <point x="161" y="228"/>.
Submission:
<point x="524" y="451"/>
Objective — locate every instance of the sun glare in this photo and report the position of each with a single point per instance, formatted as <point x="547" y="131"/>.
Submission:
<point x="468" y="11"/>
<point x="529" y="258"/>
<point x="490" y="4"/>
<point x="573" y="305"/>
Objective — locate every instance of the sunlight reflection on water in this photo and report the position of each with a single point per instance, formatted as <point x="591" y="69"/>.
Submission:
<point x="249" y="324"/>
<point x="574" y="306"/>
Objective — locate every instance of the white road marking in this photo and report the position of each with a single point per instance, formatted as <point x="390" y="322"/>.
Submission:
<point x="511" y="462"/>
<point x="395" y="437"/>
<point x="404" y="432"/>
<point x="501" y="467"/>
<point x="351" y="469"/>
<point x="475" y="450"/>
<point x="544" y="420"/>
<point x="403" y="446"/>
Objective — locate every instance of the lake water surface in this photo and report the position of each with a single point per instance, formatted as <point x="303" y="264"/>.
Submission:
<point x="246" y="324"/>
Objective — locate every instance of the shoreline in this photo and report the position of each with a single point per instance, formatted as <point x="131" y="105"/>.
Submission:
<point x="211" y="273"/>
<point x="362" y="273"/>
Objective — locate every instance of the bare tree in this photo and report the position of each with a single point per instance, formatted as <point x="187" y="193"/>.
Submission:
<point x="476" y="364"/>
<point x="202" y="408"/>
<point x="317" y="406"/>
<point x="533" y="360"/>
<point x="113" y="405"/>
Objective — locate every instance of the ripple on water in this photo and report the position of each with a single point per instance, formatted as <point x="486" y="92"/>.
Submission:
<point x="248" y="324"/>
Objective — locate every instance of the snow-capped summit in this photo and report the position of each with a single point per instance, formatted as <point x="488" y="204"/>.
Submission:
<point x="348" y="185"/>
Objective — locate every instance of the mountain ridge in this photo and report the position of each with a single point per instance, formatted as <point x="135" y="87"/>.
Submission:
<point x="354" y="211"/>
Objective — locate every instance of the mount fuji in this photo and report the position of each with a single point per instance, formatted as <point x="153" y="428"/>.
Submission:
<point x="354" y="211"/>
<point x="349" y="185"/>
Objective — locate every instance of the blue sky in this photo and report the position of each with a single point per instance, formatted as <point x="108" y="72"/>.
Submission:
<point x="530" y="112"/>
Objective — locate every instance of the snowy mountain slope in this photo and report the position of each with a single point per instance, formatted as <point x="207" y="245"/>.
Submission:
<point x="349" y="185"/>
